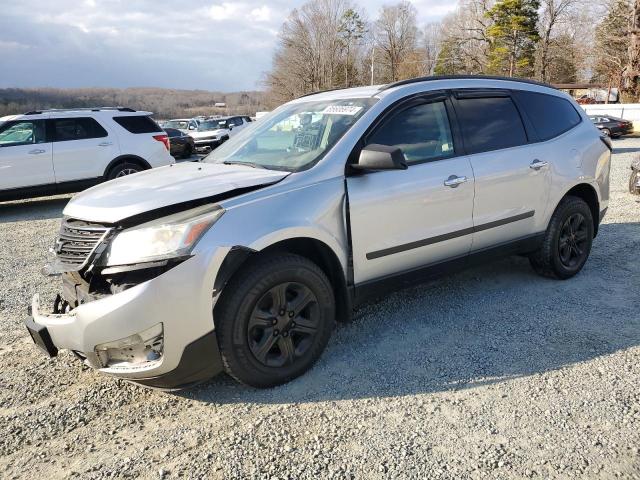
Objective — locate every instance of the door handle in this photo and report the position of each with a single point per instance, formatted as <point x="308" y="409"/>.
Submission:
<point x="105" y="144"/>
<point x="453" y="181"/>
<point x="37" y="151"/>
<point x="538" y="164"/>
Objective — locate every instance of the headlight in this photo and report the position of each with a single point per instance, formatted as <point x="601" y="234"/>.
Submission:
<point x="167" y="237"/>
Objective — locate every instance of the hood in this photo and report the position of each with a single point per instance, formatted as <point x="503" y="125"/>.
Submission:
<point x="208" y="133"/>
<point x="142" y="192"/>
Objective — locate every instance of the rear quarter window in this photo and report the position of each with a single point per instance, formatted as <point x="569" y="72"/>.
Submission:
<point x="551" y="116"/>
<point x="138" y="124"/>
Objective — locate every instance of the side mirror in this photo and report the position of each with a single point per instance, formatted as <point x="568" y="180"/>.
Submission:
<point x="380" y="157"/>
<point x="191" y="127"/>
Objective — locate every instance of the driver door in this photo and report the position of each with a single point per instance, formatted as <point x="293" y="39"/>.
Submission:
<point x="405" y="219"/>
<point x="25" y="155"/>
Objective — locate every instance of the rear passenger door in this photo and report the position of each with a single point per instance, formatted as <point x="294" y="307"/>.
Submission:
<point x="82" y="148"/>
<point x="512" y="178"/>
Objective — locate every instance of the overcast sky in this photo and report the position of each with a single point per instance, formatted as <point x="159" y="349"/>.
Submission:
<point x="190" y="44"/>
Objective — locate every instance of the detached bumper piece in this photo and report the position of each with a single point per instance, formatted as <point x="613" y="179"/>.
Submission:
<point x="40" y="336"/>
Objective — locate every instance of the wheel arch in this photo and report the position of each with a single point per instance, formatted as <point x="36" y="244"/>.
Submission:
<point x="589" y="194"/>
<point x="126" y="158"/>
<point x="315" y="250"/>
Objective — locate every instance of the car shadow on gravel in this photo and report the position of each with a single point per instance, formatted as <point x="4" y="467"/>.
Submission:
<point x="38" y="209"/>
<point x="625" y="150"/>
<point x="486" y="325"/>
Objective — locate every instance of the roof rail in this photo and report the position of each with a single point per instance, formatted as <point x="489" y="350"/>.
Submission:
<point x="461" y="77"/>
<point x="83" y="109"/>
<point x="320" y="91"/>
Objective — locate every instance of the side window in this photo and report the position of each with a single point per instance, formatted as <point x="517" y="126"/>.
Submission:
<point x="138" y="124"/>
<point x="236" y="121"/>
<point x="22" y="133"/>
<point x="422" y="132"/>
<point x="490" y="123"/>
<point x="65" y="129"/>
<point x="550" y="115"/>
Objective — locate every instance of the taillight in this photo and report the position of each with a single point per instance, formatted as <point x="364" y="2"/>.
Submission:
<point x="620" y="124"/>
<point x="162" y="138"/>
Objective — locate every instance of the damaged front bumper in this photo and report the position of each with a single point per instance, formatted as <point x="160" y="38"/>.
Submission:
<point x="158" y="333"/>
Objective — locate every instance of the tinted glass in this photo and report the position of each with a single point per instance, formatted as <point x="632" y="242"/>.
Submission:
<point x="551" y="116"/>
<point x="490" y="124"/>
<point x="422" y="132"/>
<point x="172" y="132"/>
<point x="138" y="124"/>
<point x="22" y="133"/>
<point x="65" y="129"/>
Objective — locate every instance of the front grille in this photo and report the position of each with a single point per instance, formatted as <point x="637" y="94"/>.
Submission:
<point x="77" y="240"/>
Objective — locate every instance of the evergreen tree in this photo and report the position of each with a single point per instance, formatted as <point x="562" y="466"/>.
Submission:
<point x="513" y="36"/>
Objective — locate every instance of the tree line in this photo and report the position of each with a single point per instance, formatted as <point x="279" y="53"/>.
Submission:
<point x="329" y="44"/>
<point x="165" y="103"/>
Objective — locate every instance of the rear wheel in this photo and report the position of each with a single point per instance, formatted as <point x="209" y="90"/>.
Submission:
<point x="275" y="320"/>
<point x="567" y="241"/>
<point x="188" y="151"/>
<point x="607" y="132"/>
<point x="123" y="169"/>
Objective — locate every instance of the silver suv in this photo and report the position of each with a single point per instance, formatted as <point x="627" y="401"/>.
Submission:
<point x="244" y="262"/>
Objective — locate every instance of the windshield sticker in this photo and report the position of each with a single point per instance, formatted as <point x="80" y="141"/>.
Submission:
<point x="342" y="110"/>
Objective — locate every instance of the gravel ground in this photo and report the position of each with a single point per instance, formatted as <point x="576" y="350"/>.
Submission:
<point x="492" y="373"/>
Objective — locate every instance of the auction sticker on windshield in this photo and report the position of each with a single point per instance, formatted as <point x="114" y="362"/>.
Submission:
<point x="342" y="110"/>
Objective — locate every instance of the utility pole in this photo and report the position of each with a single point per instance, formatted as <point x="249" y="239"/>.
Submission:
<point x="373" y="57"/>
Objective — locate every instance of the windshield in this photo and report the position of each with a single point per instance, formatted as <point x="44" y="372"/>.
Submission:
<point x="209" y="125"/>
<point x="179" y="124"/>
<point x="294" y="137"/>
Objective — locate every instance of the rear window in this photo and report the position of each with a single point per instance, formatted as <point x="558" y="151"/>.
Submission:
<point x="138" y="124"/>
<point x="551" y="116"/>
<point x="490" y="124"/>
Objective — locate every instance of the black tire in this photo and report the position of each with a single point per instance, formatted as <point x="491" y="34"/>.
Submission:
<point x="188" y="151"/>
<point x="633" y="182"/>
<point x="255" y="339"/>
<point x="123" y="169"/>
<point x="607" y="132"/>
<point x="567" y="241"/>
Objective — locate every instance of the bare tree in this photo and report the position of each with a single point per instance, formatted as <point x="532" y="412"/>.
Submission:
<point x="310" y="50"/>
<point x="464" y="34"/>
<point x="431" y="41"/>
<point x="632" y="72"/>
<point x="554" y="14"/>
<point x="396" y="35"/>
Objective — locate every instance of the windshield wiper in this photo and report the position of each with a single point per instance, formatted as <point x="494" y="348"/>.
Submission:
<point x="246" y="164"/>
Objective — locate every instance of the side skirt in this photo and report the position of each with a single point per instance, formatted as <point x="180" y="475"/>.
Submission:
<point x="375" y="288"/>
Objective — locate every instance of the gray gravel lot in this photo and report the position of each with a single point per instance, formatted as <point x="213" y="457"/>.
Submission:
<point x="492" y="373"/>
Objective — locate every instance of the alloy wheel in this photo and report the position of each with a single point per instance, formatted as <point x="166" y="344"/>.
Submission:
<point x="572" y="243"/>
<point x="126" y="171"/>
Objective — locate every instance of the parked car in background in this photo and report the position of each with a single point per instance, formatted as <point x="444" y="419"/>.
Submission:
<point x="612" y="126"/>
<point x="234" y="124"/>
<point x="48" y="152"/>
<point x="209" y="135"/>
<point x="185" y="125"/>
<point x="181" y="144"/>
<point x="244" y="262"/>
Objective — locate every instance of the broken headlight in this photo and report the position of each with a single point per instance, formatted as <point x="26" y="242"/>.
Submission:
<point x="167" y="237"/>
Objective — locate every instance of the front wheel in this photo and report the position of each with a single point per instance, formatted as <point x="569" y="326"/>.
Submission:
<point x="567" y="241"/>
<point x="274" y="320"/>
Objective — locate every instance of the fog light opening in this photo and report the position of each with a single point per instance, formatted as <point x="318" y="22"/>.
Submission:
<point x="141" y="350"/>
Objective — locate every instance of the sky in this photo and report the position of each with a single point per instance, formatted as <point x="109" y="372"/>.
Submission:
<point x="191" y="44"/>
